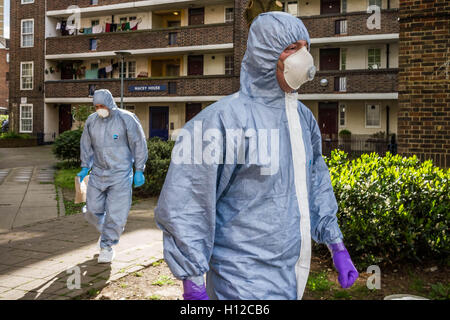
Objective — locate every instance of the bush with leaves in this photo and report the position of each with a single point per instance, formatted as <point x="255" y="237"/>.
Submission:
<point x="159" y="154"/>
<point x="67" y="146"/>
<point x="391" y="208"/>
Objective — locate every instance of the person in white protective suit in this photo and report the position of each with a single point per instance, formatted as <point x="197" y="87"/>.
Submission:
<point x="248" y="225"/>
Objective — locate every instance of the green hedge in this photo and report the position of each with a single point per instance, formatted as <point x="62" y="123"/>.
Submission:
<point x="391" y="208"/>
<point x="67" y="146"/>
<point x="159" y="154"/>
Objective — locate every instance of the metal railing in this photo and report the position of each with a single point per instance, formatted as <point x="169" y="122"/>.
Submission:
<point x="356" y="146"/>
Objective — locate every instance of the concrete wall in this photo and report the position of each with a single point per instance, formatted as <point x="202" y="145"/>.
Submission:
<point x="214" y="66"/>
<point x="51" y="121"/>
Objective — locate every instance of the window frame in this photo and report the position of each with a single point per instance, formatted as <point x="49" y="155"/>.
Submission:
<point x="26" y="34"/>
<point x="21" y="118"/>
<point x="380" y="1"/>
<point x="367" y="104"/>
<point x="23" y="2"/>
<point x="368" y="58"/>
<point x="128" y="69"/>
<point x="225" y="14"/>
<point x="21" y="75"/>
<point x="343" y="106"/>
<point x="232" y="64"/>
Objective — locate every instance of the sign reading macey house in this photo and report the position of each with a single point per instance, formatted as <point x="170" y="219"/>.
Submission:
<point x="147" y="88"/>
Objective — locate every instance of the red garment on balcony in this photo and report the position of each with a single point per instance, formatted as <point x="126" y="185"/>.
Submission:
<point x="108" y="27"/>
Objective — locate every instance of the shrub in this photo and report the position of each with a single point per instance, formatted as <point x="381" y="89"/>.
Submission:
<point x="13" y="135"/>
<point x="67" y="146"/>
<point x="391" y="208"/>
<point x="159" y="153"/>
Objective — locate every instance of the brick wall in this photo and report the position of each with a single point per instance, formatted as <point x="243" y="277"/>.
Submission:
<point x="424" y="86"/>
<point x="185" y="86"/>
<point x="64" y="4"/>
<point x="35" y="54"/>
<point x="358" y="81"/>
<point x="323" y="25"/>
<point x="240" y="38"/>
<point x="4" y="89"/>
<point x="131" y="40"/>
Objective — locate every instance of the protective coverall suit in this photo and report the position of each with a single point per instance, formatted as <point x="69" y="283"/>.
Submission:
<point x="251" y="231"/>
<point x="110" y="146"/>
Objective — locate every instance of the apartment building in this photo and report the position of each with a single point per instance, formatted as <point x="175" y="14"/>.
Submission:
<point x="2" y="18"/>
<point x="185" y="55"/>
<point x="181" y="60"/>
<point x="4" y="75"/>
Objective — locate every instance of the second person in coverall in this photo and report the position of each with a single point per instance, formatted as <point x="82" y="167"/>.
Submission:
<point x="112" y="140"/>
<point x="251" y="232"/>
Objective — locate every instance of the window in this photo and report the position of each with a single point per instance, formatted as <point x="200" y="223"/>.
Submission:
<point x="172" y="38"/>
<point x="95" y="23"/>
<point x="375" y="3"/>
<point x="27" y="33"/>
<point x="132" y="69"/>
<point x="129" y="69"/>
<point x="344" y="6"/>
<point x="373" y="116"/>
<point x="132" y="18"/>
<point x="343" y="58"/>
<point x="26" y="75"/>
<point x="229" y="65"/>
<point x="124" y="20"/>
<point x="26" y="118"/>
<point x="130" y="108"/>
<point x="7" y="58"/>
<point x="93" y="44"/>
<point x="94" y="66"/>
<point x="374" y="58"/>
<point x="342" y="115"/>
<point x="290" y="7"/>
<point x="229" y="14"/>
<point x="340" y="84"/>
<point x="94" y="2"/>
<point x="340" y="27"/>
<point x="27" y="1"/>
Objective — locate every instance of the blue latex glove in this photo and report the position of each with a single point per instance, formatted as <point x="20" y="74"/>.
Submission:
<point x="83" y="173"/>
<point x="139" y="179"/>
<point x="193" y="291"/>
<point x="344" y="265"/>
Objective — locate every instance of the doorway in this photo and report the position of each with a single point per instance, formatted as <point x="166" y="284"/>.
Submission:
<point x="330" y="6"/>
<point x="196" y="16"/>
<point x="159" y="122"/>
<point x="329" y="59"/>
<point x="195" y="65"/>
<point x="192" y="109"/>
<point x="65" y="118"/>
<point x="328" y="120"/>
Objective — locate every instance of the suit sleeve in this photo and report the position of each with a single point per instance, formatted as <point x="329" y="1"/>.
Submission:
<point x="86" y="150"/>
<point x="137" y="142"/>
<point x="186" y="210"/>
<point x="323" y="205"/>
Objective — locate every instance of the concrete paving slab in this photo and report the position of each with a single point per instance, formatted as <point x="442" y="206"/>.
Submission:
<point x="12" y="294"/>
<point x="27" y="215"/>
<point x="12" y="282"/>
<point x="7" y="216"/>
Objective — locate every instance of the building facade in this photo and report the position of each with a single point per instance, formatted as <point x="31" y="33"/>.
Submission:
<point x="2" y="18"/>
<point x="186" y="55"/>
<point x="4" y="75"/>
<point x="424" y="80"/>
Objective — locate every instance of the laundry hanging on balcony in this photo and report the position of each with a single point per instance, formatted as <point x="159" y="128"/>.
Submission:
<point x="102" y="73"/>
<point x="109" y="69"/>
<point x="97" y="29"/>
<point x="92" y="74"/>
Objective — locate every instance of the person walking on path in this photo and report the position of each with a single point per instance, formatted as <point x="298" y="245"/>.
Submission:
<point x="112" y="140"/>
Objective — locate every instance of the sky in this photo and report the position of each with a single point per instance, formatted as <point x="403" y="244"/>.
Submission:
<point x="6" y="15"/>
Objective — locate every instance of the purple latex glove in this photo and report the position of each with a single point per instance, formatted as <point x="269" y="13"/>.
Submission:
<point x="344" y="265"/>
<point x="193" y="291"/>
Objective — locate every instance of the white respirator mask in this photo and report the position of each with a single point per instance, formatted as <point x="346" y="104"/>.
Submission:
<point x="102" y="113"/>
<point x="299" y="68"/>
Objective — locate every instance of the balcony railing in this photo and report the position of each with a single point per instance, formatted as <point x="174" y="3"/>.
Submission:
<point x="350" y="24"/>
<point x="218" y="85"/>
<point x="353" y="81"/>
<point x="200" y="35"/>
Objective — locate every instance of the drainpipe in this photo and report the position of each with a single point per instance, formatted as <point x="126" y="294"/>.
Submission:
<point x="387" y="55"/>
<point x="388" y="4"/>
<point x="387" y="123"/>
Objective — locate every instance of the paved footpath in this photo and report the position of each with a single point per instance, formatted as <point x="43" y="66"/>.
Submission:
<point x="42" y="261"/>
